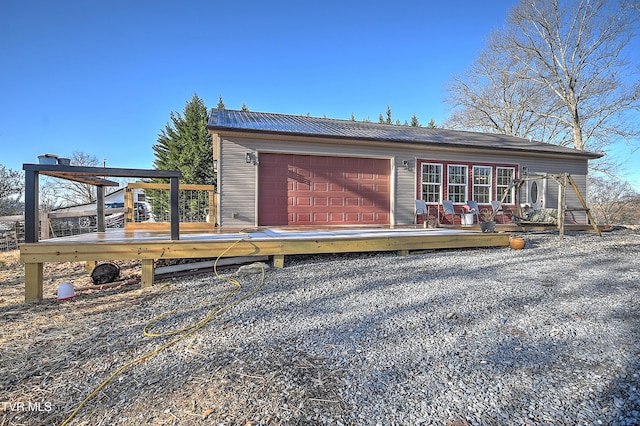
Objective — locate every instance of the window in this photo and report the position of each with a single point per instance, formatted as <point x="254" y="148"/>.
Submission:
<point x="432" y="182"/>
<point x="457" y="183"/>
<point x="462" y="181"/>
<point x="504" y="177"/>
<point x="482" y="184"/>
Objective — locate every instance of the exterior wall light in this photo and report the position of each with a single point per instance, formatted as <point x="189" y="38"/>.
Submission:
<point x="251" y="157"/>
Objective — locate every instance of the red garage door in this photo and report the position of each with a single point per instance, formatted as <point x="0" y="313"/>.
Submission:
<point x="322" y="190"/>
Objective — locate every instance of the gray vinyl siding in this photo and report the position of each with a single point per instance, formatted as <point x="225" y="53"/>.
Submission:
<point x="238" y="180"/>
<point x="237" y="186"/>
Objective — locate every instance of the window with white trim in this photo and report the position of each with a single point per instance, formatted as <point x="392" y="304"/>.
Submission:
<point x="482" y="184"/>
<point x="432" y="182"/>
<point x="504" y="177"/>
<point x="457" y="176"/>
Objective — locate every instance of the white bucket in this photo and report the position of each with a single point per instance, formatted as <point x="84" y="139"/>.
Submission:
<point x="66" y="291"/>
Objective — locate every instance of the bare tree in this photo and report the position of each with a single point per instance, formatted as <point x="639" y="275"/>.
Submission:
<point x="11" y="189"/>
<point x="613" y="201"/>
<point x="557" y="72"/>
<point x="495" y="96"/>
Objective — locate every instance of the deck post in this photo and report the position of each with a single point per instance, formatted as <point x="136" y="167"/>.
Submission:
<point x="100" y="207"/>
<point x="33" y="278"/>
<point x="278" y="260"/>
<point x="147" y="273"/>
<point x="174" y="191"/>
<point x="31" y="202"/>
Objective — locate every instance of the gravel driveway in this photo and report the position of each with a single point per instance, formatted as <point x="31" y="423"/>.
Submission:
<point x="548" y="335"/>
<point x="544" y="335"/>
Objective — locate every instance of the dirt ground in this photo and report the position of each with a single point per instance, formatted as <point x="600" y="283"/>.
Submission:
<point x="55" y="354"/>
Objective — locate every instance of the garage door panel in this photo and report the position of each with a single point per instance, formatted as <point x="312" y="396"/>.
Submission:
<point x="323" y="190"/>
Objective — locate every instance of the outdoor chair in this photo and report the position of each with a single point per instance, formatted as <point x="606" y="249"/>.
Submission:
<point x="497" y="209"/>
<point x="447" y="207"/>
<point x="422" y="210"/>
<point x="474" y="208"/>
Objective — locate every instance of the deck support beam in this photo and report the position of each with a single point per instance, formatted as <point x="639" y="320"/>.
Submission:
<point x="147" y="273"/>
<point x="33" y="278"/>
<point x="278" y="260"/>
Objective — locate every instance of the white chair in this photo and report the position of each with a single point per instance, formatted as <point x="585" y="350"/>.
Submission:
<point x="447" y="207"/>
<point x="421" y="209"/>
<point x="497" y="208"/>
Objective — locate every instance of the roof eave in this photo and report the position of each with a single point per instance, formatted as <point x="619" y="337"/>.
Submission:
<point x="576" y="153"/>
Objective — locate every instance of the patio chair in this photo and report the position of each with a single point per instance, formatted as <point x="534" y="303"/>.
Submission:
<point x="422" y="210"/>
<point x="474" y="208"/>
<point x="497" y="209"/>
<point x="447" y="207"/>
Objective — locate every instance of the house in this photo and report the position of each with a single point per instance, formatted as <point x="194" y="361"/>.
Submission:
<point x="85" y="214"/>
<point x="276" y="169"/>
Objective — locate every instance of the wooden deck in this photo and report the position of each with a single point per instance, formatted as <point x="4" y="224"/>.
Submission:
<point x="278" y="242"/>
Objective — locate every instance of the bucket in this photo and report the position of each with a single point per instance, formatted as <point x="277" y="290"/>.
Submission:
<point x="66" y="291"/>
<point x="48" y="159"/>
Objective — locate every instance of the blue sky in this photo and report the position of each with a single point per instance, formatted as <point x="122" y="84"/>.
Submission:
<point x="102" y="76"/>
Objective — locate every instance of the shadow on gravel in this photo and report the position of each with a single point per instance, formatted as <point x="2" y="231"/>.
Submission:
<point x="427" y="309"/>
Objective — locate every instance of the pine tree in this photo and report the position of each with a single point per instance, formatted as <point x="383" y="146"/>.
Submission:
<point x="414" y="120"/>
<point x="432" y="124"/>
<point x="220" y="103"/>
<point x="244" y="106"/>
<point x="380" y="118"/>
<point x="186" y="145"/>
<point x="388" y="121"/>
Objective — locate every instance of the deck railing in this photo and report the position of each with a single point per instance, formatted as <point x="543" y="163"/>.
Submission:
<point x="197" y="206"/>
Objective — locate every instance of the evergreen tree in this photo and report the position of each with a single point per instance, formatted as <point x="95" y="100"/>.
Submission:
<point x="432" y="124"/>
<point x="220" y="103"/>
<point x="186" y="145"/>
<point x="380" y="118"/>
<point x="353" y="117"/>
<point x="244" y="106"/>
<point x="388" y="120"/>
<point x="414" y="120"/>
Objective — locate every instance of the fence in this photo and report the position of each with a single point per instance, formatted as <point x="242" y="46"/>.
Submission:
<point x="11" y="232"/>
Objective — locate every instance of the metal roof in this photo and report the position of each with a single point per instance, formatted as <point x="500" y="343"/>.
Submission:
<point x="227" y="119"/>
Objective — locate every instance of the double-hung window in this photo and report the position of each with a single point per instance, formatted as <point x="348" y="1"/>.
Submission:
<point x="432" y="182"/>
<point x="504" y="177"/>
<point x="482" y="184"/>
<point x="457" y="183"/>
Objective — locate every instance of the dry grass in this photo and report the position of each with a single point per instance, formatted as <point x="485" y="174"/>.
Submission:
<point x="54" y="354"/>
